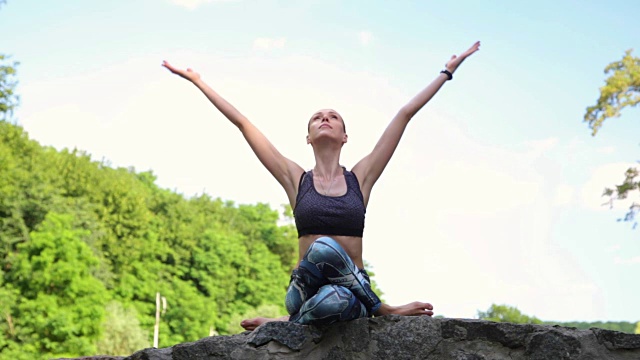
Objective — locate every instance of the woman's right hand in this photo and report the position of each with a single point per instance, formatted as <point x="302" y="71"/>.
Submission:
<point x="188" y="74"/>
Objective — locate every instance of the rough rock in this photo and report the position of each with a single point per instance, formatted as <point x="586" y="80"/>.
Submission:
<point x="397" y="337"/>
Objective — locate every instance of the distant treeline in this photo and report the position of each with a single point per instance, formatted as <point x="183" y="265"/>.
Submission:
<point x="507" y="313"/>
<point x="622" y="326"/>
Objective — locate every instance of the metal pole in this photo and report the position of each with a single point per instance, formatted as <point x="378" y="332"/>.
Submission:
<point x="157" y="327"/>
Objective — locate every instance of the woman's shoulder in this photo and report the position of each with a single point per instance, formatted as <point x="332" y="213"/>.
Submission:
<point x="349" y="173"/>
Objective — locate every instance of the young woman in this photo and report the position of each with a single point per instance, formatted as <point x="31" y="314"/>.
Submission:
<point x="329" y="283"/>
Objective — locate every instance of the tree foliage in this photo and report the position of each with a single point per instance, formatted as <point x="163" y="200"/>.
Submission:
<point x="505" y="313"/>
<point x="122" y="332"/>
<point x="630" y="184"/>
<point x="622" y="326"/>
<point x="60" y="304"/>
<point x="76" y="234"/>
<point x="8" y="98"/>
<point x="621" y="90"/>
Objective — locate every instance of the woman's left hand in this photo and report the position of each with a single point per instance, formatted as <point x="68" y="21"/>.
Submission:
<point x="455" y="61"/>
<point x="188" y="74"/>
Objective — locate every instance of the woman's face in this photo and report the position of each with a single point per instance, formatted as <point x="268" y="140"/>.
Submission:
<point x="326" y="124"/>
<point x="326" y="119"/>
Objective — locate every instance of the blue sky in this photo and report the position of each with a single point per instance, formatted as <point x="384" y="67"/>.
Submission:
<point x="493" y="195"/>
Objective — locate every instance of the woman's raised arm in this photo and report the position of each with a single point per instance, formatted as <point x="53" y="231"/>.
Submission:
<point x="369" y="169"/>
<point x="284" y="170"/>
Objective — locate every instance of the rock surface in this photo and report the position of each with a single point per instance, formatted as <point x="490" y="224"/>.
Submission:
<point x="396" y="337"/>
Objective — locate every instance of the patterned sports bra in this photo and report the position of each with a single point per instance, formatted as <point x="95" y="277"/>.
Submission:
<point x="317" y="214"/>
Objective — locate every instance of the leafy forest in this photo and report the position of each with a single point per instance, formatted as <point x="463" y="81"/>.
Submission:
<point x="79" y="237"/>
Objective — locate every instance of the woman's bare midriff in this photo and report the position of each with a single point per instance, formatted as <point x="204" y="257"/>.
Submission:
<point x="351" y="244"/>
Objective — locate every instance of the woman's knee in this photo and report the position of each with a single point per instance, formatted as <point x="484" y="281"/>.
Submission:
<point x="337" y="302"/>
<point x="325" y="248"/>
<point x="334" y="293"/>
<point x="294" y="299"/>
<point x="327" y="240"/>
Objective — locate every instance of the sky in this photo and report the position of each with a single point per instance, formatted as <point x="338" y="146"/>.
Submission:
<point x="494" y="193"/>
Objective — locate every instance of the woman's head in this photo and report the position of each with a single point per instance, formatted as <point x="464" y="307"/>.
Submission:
<point x="326" y="114"/>
<point x="326" y="123"/>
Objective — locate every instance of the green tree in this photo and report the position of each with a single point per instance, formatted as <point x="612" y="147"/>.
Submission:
<point x="8" y="298"/>
<point x="8" y="98"/>
<point x="61" y="303"/>
<point x="621" y="90"/>
<point x="622" y="326"/>
<point x="638" y="328"/>
<point x="374" y="285"/>
<point x="505" y="313"/>
<point x="122" y="333"/>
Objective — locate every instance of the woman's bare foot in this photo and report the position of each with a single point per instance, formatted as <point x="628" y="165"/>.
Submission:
<point x="252" y="324"/>
<point x="415" y="308"/>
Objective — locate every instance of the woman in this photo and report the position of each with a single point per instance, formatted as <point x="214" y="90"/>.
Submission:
<point x="329" y="283"/>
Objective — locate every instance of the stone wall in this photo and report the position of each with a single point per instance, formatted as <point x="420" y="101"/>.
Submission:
<point x="396" y="337"/>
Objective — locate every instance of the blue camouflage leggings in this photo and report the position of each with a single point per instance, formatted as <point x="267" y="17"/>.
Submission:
<point x="328" y="287"/>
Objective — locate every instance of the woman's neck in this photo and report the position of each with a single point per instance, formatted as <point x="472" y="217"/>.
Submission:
<point x="327" y="164"/>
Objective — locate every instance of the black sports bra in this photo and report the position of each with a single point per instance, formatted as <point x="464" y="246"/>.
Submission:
<point x="319" y="214"/>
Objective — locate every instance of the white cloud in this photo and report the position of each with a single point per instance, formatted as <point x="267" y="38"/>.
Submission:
<point x="269" y="43"/>
<point x="463" y="212"/>
<point x="606" y="150"/>
<point x="614" y="248"/>
<point x="365" y="37"/>
<point x="539" y="147"/>
<point x="564" y="195"/>
<point x="628" y="261"/>
<point x="193" y="4"/>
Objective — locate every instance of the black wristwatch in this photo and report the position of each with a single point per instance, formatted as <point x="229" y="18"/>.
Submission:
<point x="448" y="73"/>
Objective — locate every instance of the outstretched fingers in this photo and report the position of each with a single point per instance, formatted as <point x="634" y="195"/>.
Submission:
<point x="455" y="61"/>
<point x="188" y="74"/>
<point x="475" y="47"/>
<point x="171" y="68"/>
